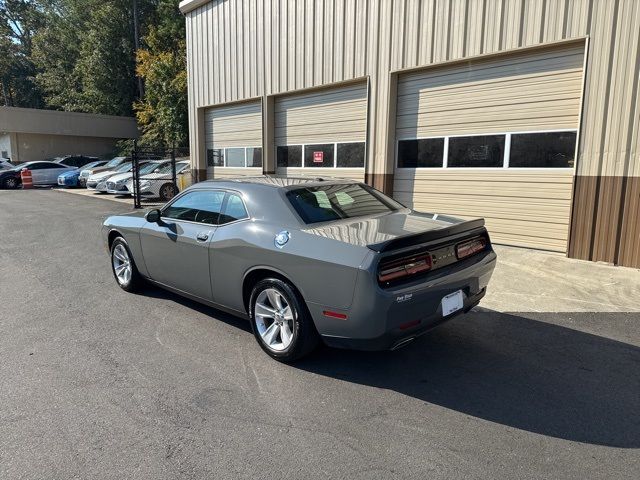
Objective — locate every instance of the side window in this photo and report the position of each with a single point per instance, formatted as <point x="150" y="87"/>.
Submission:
<point x="289" y="156"/>
<point x="234" y="209"/>
<point x="39" y="166"/>
<point x="197" y="206"/>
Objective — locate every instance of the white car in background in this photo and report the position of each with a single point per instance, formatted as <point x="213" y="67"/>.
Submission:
<point x="98" y="181"/>
<point x="112" y="164"/>
<point x="118" y="184"/>
<point x="160" y="184"/>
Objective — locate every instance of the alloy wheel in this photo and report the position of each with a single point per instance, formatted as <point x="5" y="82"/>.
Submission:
<point x="122" y="264"/>
<point x="274" y="320"/>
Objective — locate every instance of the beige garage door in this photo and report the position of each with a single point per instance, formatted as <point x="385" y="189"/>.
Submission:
<point x="494" y="138"/>
<point x="322" y="132"/>
<point x="233" y="137"/>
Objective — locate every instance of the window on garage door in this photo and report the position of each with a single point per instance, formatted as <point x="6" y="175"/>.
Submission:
<point x="551" y="149"/>
<point x="322" y="155"/>
<point x="234" y="157"/>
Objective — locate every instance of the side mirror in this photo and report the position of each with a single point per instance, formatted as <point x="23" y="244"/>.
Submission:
<point x="153" y="216"/>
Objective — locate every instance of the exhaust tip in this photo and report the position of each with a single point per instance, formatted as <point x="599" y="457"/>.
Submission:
<point x="403" y="343"/>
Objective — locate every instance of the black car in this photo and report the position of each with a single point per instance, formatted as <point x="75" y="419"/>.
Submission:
<point x="76" y="160"/>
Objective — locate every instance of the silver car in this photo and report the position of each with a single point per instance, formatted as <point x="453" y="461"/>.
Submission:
<point x="306" y="260"/>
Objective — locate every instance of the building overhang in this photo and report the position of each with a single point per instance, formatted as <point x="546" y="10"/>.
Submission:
<point x="188" y="5"/>
<point x="53" y="122"/>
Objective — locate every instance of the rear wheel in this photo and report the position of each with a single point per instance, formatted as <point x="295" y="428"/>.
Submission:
<point x="280" y="320"/>
<point x="168" y="191"/>
<point x="123" y="266"/>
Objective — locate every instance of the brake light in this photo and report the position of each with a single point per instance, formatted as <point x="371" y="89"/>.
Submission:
<point x="471" y="247"/>
<point x="404" y="267"/>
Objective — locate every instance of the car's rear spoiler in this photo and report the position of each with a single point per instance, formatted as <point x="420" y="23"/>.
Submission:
<point x="428" y="236"/>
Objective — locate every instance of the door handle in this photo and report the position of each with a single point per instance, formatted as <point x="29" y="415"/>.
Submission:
<point x="202" y="236"/>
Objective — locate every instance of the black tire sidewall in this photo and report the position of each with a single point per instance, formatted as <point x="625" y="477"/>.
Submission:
<point x="134" y="282"/>
<point x="165" y="197"/>
<point x="303" y="324"/>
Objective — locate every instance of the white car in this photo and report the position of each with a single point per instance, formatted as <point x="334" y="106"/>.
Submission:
<point x="160" y="184"/>
<point x="117" y="184"/>
<point x="98" y="181"/>
<point x="112" y="164"/>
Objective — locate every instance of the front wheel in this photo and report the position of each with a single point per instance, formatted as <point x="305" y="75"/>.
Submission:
<point x="123" y="266"/>
<point x="280" y="321"/>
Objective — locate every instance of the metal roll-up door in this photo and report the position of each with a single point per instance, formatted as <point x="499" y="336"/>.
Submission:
<point x="322" y="132"/>
<point x="506" y="129"/>
<point x="233" y="139"/>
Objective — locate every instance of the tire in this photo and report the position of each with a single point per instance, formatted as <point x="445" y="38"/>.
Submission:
<point x="167" y="192"/>
<point x="129" y="279"/>
<point x="300" y="335"/>
<point x="11" y="183"/>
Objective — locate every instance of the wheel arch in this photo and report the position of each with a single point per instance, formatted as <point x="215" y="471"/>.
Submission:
<point x="257" y="273"/>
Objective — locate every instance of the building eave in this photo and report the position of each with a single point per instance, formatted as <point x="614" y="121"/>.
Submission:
<point x="187" y="6"/>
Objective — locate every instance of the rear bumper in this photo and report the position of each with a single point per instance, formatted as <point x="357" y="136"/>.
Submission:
<point x="382" y="319"/>
<point x="398" y="337"/>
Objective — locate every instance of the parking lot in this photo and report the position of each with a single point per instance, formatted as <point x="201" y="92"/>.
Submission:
<point x="542" y="381"/>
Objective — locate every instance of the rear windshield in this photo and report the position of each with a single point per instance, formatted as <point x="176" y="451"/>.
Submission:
<point x="325" y="203"/>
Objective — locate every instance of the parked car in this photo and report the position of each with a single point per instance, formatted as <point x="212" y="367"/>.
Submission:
<point x="5" y="164"/>
<point x="160" y="184"/>
<point x="307" y="260"/>
<point x="43" y="173"/>
<point x="101" y="178"/>
<point x="70" y="178"/>
<point x="119" y="184"/>
<point x="85" y="173"/>
<point x="76" y="160"/>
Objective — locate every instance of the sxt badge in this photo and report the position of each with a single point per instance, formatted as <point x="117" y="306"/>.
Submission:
<point x="404" y="298"/>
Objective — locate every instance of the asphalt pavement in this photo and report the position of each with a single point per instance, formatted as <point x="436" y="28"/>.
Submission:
<point x="96" y="383"/>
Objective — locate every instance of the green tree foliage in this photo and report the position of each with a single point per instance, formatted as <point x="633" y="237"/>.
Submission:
<point x="19" y="22"/>
<point x="80" y="55"/>
<point x="162" y="113"/>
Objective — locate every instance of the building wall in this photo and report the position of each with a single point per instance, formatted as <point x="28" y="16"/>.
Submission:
<point x="5" y="144"/>
<point x="31" y="147"/>
<point x="239" y="49"/>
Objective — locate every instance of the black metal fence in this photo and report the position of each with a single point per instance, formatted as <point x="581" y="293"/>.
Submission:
<point x="158" y="174"/>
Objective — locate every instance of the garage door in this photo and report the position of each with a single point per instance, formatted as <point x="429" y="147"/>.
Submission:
<point x="494" y="138"/>
<point x="233" y="138"/>
<point x="322" y="132"/>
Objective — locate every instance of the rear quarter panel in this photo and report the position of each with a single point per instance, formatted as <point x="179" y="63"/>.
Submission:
<point x="323" y="270"/>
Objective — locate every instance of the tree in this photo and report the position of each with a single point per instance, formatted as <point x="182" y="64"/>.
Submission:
<point x="19" y="20"/>
<point x="162" y="113"/>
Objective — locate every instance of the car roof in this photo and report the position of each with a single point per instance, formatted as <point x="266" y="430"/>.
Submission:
<point x="275" y="181"/>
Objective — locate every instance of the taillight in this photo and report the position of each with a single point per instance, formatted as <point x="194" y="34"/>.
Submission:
<point x="404" y="267"/>
<point x="470" y="247"/>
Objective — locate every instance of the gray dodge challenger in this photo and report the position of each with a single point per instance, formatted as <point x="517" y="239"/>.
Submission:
<point x="306" y="260"/>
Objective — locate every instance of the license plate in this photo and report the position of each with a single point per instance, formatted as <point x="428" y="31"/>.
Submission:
<point x="452" y="303"/>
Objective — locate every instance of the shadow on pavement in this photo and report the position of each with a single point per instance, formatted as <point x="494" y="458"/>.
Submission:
<point x="505" y="368"/>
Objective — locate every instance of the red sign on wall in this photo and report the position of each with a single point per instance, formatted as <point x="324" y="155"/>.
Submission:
<point x="318" y="157"/>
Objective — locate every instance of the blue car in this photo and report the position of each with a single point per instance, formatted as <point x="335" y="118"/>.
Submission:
<point x="70" y="179"/>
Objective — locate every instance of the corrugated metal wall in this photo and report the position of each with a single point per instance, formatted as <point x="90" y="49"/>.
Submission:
<point x="241" y="49"/>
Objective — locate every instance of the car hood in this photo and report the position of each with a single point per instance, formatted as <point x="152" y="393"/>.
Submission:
<point x="102" y="175"/>
<point x="121" y="176"/>
<point x="372" y="230"/>
<point x="69" y="173"/>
